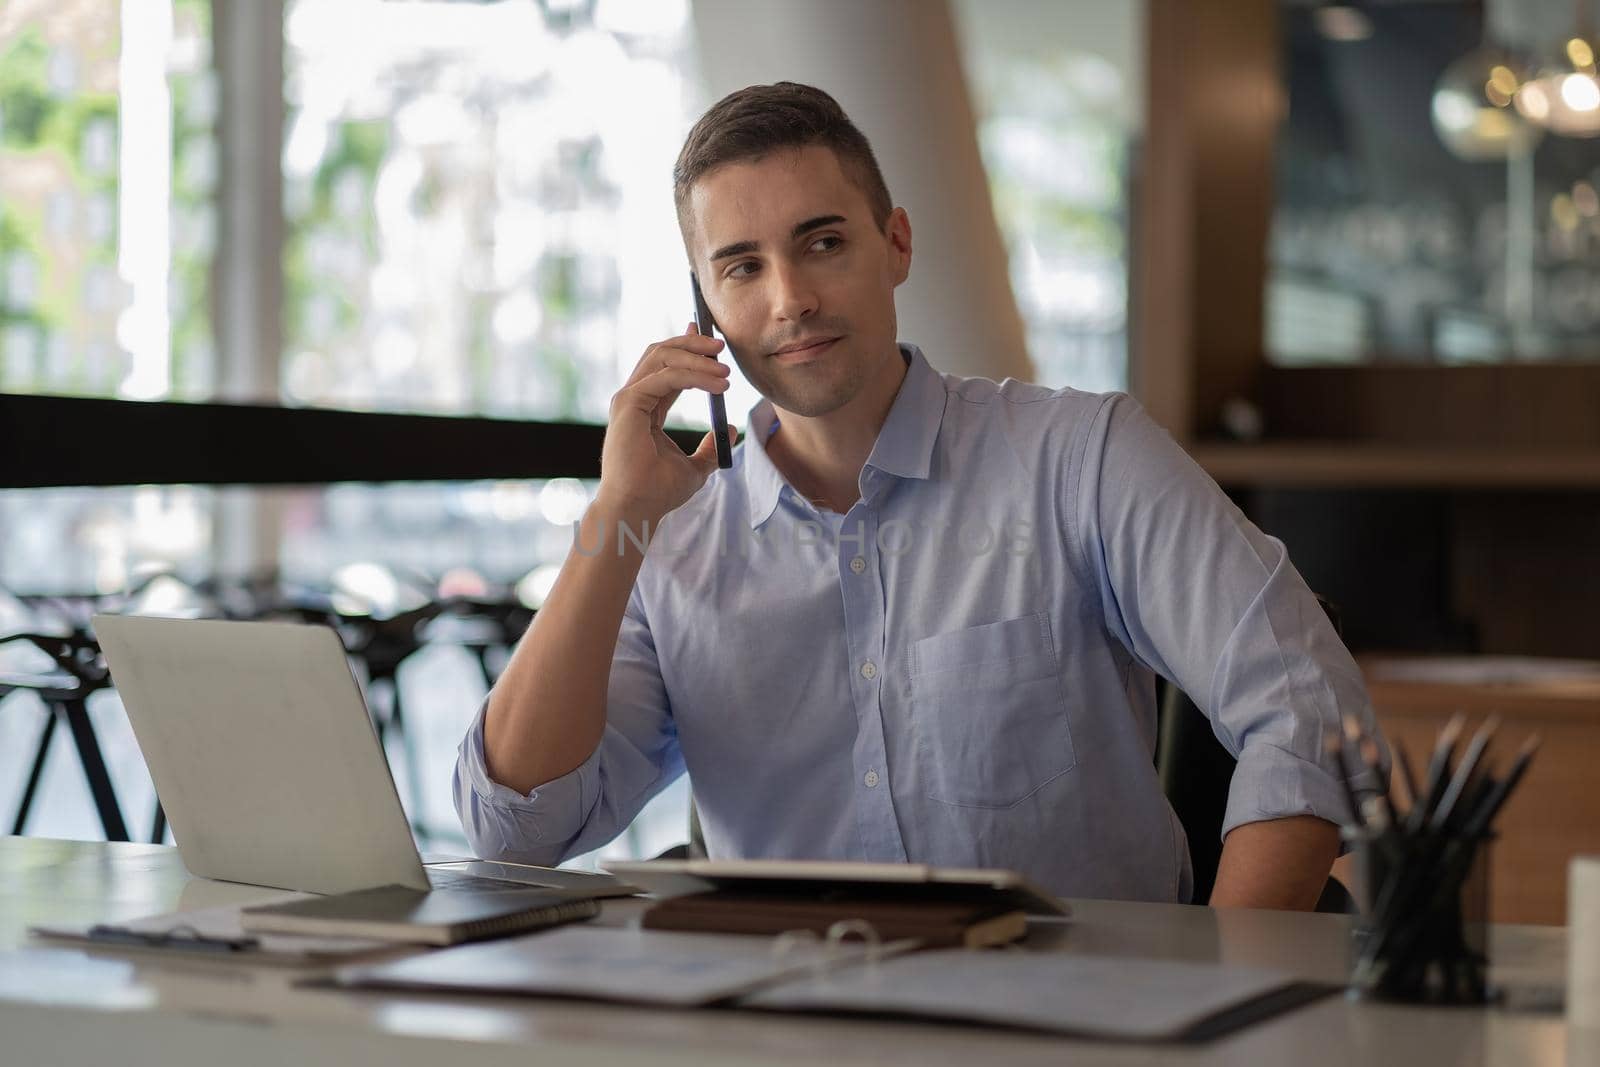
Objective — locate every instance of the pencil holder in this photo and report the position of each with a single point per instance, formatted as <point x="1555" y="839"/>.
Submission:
<point x="1423" y="932"/>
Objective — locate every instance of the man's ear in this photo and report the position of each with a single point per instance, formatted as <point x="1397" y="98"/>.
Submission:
<point x="897" y="229"/>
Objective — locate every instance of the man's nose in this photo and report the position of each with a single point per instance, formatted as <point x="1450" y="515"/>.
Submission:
<point x="794" y="297"/>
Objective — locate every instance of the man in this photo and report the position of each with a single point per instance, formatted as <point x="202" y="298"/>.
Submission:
<point x="921" y="617"/>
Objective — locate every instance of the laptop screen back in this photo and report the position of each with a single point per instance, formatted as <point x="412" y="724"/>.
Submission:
<point x="262" y="752"/>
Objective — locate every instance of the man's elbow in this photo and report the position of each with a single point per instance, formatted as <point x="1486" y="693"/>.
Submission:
<point x="1276" y="863"/>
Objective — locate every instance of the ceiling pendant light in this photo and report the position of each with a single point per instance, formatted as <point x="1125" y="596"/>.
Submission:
<point x="1564" y="97"/>
<point x="1472" y="106"/>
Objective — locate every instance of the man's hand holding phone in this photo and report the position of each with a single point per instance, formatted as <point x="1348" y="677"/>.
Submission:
<point x="643" y="473"/>
<point x="547" y="713"/>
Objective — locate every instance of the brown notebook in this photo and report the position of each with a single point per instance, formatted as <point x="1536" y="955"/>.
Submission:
<point x="936" y="923"/>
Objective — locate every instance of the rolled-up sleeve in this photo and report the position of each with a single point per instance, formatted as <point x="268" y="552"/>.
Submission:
<point x="585" y="808"/>
<point x="1194" y="590"/>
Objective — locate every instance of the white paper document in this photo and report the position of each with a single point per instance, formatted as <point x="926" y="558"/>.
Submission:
<point x="622" y="964"/>
<point x="1090" y="996"/>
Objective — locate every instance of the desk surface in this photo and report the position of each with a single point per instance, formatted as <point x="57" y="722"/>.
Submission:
<point x="62" y="1005"/>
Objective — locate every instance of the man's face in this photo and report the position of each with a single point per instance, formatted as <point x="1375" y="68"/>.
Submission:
<point x="787" y="253"/>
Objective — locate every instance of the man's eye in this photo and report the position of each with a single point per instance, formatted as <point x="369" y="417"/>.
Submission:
<point x="736" y="270"/>
<point x="837" y="241"/>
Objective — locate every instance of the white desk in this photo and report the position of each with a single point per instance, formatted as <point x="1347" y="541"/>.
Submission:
<point x="62" y="1005"/>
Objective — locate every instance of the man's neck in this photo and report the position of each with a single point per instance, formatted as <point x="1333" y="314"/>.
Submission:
<point x="822" y="456"/>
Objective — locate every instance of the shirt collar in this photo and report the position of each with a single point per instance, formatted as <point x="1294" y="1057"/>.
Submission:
<point x="904" y="446"/>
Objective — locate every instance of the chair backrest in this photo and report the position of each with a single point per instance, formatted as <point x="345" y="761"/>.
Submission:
<point x="695" y="847"/>
<point x="1195" y="771"/>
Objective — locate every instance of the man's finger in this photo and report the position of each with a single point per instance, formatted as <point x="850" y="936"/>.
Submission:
<point x="665" y="385"/>
<point x="705" y="456"/>
<point x="685" y="349"/>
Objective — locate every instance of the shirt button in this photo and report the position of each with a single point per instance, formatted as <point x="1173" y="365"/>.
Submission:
<point x="858" y="564"/>
<point x="871" y="778"/>
<point x="868" y="670"/>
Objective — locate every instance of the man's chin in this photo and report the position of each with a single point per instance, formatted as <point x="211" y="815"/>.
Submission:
<point x="816" y="409"/>
<point x="808" y="403"/>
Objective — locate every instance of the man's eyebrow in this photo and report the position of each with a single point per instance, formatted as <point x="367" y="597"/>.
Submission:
<point x="740" y="248"/>
<point x="815" y="224"/>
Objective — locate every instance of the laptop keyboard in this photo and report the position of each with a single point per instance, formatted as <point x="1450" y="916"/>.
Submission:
<point x="478" y="872"/>
<point x="476" y="883"/>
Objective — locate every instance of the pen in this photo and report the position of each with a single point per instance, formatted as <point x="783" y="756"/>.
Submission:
<point x="191" y="942"/>
<point x="1438" y="768"/>
<point x="1464" y="772"/>
<point x="1477" y="792"/>
<point x="1407" y="778"/>
<point x="1368" y="749"/>
<point x="1480" y="819"/>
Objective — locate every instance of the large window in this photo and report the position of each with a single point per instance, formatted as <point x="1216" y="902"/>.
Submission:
<point x="107" y="229"/>
<point x="107" y="167"/>
<point x="479" y="202"/>
<point x="1059" y="92"/>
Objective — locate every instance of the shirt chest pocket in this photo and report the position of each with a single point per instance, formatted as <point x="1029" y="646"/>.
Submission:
<point x="989" y="720"/>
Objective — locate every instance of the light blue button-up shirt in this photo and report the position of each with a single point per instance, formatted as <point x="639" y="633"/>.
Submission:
<point x="961" y="669"/>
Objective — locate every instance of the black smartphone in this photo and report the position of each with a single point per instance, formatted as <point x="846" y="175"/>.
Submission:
<point x="719" y="410"/>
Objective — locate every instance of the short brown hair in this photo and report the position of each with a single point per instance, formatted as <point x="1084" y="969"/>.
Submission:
<point x="750" y="123"/>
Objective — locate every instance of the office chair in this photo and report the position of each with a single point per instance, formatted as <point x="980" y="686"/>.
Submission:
<point x="695" y="848"/>
<point x="1196" y="771"/>
<point x="78" y="671"/>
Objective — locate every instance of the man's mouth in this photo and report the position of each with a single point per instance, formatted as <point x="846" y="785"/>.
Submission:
<point x="810" y="352"/>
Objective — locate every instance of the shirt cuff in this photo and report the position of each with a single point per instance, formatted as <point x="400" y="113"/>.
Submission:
<point x="1273" y="783"/>
<point x="499" y="821"/>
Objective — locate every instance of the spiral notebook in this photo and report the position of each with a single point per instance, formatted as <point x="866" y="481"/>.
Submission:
<point x="397" y="913"/>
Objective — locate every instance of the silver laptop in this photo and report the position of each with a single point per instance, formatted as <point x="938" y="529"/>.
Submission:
<point x="268" y="766"/>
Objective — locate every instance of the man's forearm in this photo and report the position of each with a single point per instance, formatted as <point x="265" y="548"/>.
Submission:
<point x="1278" y="863"/>
<point x="548" y="710"/>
